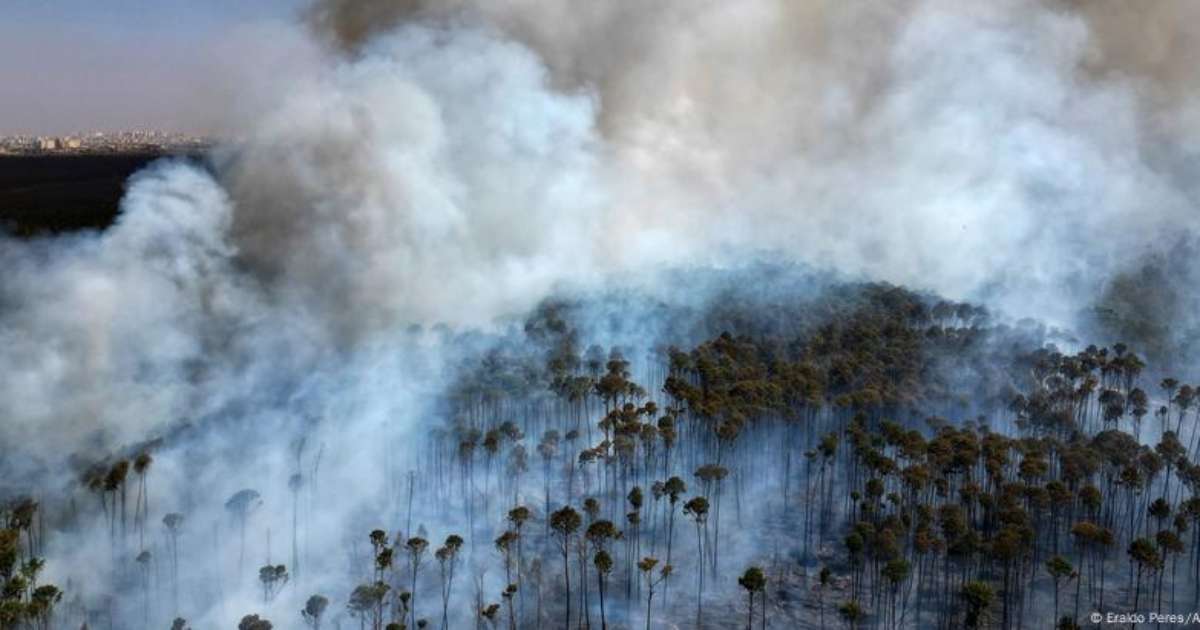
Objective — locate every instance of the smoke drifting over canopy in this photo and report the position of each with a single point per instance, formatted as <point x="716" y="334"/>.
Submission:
<point x="453" y="163"/>
<point x="1013" y="150"/>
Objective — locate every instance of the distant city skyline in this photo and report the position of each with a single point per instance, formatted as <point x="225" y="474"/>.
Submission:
<point x="72" y="66"/>
<point x="98" y="142"/>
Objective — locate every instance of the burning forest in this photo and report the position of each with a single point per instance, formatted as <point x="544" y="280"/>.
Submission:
<point x="673" y="315"/>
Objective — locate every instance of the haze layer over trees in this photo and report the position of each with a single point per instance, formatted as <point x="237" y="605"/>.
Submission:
<point x="809" y="455"/>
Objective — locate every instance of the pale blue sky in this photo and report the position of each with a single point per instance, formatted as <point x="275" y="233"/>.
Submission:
<point x="68" y="65"/>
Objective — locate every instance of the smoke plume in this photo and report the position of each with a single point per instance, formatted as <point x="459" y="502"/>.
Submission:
<point x="1013" y="151"/>
<point x="431" y="168"/>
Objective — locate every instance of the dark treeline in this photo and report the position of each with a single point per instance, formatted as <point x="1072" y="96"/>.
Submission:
<point x="48" y="194"/>
<point x="857" y="456"/>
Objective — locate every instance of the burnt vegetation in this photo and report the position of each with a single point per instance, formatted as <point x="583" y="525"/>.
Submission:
<point x="849" y="456"/>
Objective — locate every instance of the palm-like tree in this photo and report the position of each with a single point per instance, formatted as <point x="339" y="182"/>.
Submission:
<point x="1168" y="544"/>
<point x="416" y="547"/>
<point x="1059" y="568"/>
<point x="565" y="522"/>
<point x="41" y="605"/>
<point x="366" y="602"/>
<point x="604" y="564"/>
<point x="448" y="558"/>
<point x="506" y="544"/>
<point x="1169" y="385"/>
<point x="254" y="622"/>
<point x="141" y="508"/>
<point x="507" y="595"/>
<point x="822" y="584"/>
<point x="548" y="450"/>
<point x="633" y="543"/>
<point x="896" y="571"/>
<point x="674" y="489"/>
<point x="977" y="596"/>
<point x="646" y="566"/>
<point x="599" y="534"/>
<point x="517" y="517"/>
<point x="173" y="522"/>
<point x="697" y="508"/>
<point x="314" y="610"/>
<point x="490" y="613"/>
<point x="143" y="559"/>
<point x="754" y="581"/>
<point x="273" y="578"/>
<point x="114" y="484"/>
<point x="1143" y="554"/>
<point x="241" y="505"/>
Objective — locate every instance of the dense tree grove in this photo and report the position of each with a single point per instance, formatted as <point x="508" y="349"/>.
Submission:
<point x="863" y="456"/>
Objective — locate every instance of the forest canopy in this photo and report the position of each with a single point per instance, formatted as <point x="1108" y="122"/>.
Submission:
<point x="799" y="454"/>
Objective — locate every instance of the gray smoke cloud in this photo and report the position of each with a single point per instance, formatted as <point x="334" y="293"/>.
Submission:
<point x="436" y="179"/>
<point x="1012" y="151"/>
<point x="452" y="163"/>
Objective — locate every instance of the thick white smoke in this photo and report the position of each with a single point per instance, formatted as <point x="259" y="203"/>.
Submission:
<point x="1015" y="151"/>
<point x="435" y="179"/>
<point x="99" y="330"/>
<point x="455" y="162"/>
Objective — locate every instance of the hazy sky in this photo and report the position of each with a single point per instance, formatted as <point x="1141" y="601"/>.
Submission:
<point x="73" y="65"/>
